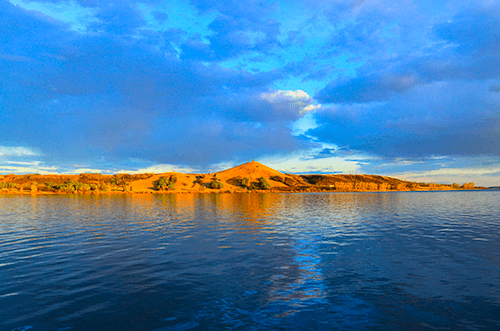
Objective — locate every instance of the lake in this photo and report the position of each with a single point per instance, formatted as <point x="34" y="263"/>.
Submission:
<point x="312" y="261"/>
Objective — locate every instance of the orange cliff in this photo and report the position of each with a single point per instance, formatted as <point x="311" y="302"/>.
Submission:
<point x="252" y="176"/>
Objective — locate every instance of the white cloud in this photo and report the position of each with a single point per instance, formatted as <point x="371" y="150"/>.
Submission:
<point x="32" y="163"/>
<point x="286" y="95"/>
<point x="158" y="169"/>
<point x="35" y="169"/>
<point x="310" y="108"/>
<point x="298" y="101"/>
<point x="83" y="170"/>
<point x="17" y="151"/>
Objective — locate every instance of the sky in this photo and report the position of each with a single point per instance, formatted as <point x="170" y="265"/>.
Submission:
<point x="403" y="88"/>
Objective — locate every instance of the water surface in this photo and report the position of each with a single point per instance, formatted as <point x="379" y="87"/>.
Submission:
<point x="334" y="261"/>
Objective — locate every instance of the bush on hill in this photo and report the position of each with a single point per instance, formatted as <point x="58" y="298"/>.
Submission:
<point x="263" y="183"/>
<point x="238" y="181"/>
<point x="164" y="184"/>
<point x="216" y="185"/>
<point x="160" y="184"/>
<point x="7" y="185"/>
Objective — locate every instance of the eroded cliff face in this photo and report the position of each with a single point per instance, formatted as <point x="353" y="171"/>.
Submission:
<point x="251" y="176"/>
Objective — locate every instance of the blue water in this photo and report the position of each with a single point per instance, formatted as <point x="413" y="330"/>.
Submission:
<point x="340" y="261"/>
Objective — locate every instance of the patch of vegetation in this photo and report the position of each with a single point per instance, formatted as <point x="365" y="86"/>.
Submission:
<point x="70" y="186"/>
<point x="119" y="181"/>
<point x="165" y="184"/>
<point x="261" y="184"/>
<point x="238" y="181"/>
<point x="216" y="184"/>
<point x="160" y="184"/>
<point x="7" y="185"/>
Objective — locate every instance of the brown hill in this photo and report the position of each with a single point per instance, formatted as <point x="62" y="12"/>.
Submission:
<point x="251" y="169"/>
<point x="247" y="175"/>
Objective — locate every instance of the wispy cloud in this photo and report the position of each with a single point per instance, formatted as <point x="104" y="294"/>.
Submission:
<point x="17" y="151"/>
<point x="28" y="169"/>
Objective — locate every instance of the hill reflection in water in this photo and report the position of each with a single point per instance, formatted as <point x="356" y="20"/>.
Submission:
<point x="373" y="261"/>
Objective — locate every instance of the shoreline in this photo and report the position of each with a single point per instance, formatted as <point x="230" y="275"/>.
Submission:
<point x="246" y="178"/>
<point x="11" y="192"/>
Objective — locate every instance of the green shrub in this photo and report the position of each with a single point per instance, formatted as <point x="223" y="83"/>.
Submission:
<point x="7" y="185"/>
<point x="244" y="181"/>
<point x="78" y="186"/>
<point x="120" y="181"/>
<point x="50" y="185"/>
<point x="71" y="186"/>
<point x="65" y="188"/>
<point x="264" y="184"/>
<point x="261" y="184"/>
<point x="164" y="184"/>
<point x="216" y="185"/>
<point x="161" y="183"/>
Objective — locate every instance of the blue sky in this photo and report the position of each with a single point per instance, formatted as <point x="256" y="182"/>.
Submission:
<point x="401" y="88"/>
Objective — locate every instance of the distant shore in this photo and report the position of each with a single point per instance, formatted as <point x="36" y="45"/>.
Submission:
<point x="249" y="177"/>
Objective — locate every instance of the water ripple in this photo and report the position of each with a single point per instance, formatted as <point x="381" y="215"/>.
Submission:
<point x="251" y="261"/>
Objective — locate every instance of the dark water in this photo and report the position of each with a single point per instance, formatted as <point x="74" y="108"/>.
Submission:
<point x="362" y="261"/>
